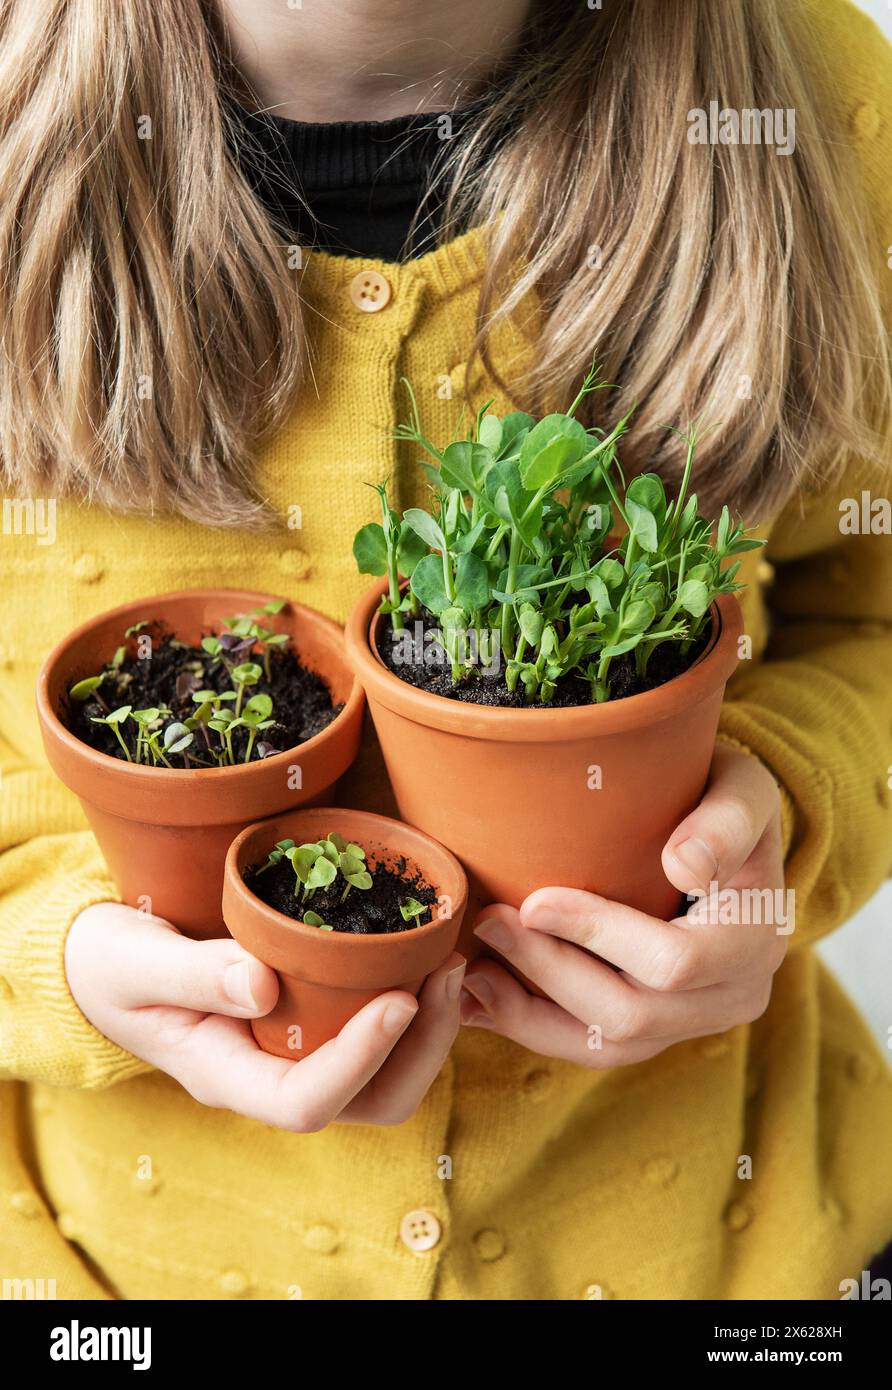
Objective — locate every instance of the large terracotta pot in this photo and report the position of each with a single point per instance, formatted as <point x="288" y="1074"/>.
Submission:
<point x="165" y="832"/>
<point x="327" y="977"/>
<point x="515" y="794"/>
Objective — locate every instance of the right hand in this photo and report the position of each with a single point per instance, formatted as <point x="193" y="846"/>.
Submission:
<point x="183" y="1006"/>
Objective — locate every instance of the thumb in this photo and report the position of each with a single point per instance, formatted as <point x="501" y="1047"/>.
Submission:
<point x="718" y="837"/>
<point x="163" y="967"/>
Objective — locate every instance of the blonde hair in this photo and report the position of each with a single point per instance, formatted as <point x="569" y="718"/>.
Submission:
<point x="150" y="327"/>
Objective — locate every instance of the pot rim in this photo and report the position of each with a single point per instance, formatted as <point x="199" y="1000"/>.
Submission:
<point x="137" y="774"/>
<point x="710" y="672"/>
<point x="382" y="830"/>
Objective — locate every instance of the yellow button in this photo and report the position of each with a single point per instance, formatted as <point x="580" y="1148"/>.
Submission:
<point x="370" y="291"/>
<point x="537" y="1084"/>
<point x="25" y="1203"/>
<point x="420" y="1230"/>
<point x="490" y="1245"/>
<point x="323" y="1239"/>
<point x="234" y="1282"/>
<point x="738" y="1216"/>
<point x="88" y="568"/>
<point x="68" y="1225"/>
<point x="865" y="121"/>
<point x="661" y="1171"/>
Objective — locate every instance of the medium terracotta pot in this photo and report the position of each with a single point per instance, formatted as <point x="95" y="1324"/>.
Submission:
<point x="165" y="832"/>
<point x="514" y="792"/>
<point x="327" y="977"/>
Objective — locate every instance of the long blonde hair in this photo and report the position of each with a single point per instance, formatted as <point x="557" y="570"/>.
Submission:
<point x="150" y="328"/>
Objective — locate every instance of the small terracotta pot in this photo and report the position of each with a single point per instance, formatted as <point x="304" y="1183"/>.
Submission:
<point x="165" y="832"/>
<point x="514" y="792"/>
<point x="327" y="977"/>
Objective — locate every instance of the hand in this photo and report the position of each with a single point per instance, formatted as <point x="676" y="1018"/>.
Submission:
<point x="673" y="980"/>
<point x="183" y="1006"/>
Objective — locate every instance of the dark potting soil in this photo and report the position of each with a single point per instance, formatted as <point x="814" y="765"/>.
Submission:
<point x="374" y="910"/>
<point x="302" y="703"/>
<point x="433" y="673"/>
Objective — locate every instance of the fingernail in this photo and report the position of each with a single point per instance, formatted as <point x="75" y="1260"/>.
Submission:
<point x="237" y="984"/>
<point x="496" y="934"/>
<point x="541" y="917"/>
<point x="397" y="1016"/>
<point x="452" y="983"/>
<point x="471" y="1013"/>
<point x="699" y="859"/>
<point x="482" y="990"/>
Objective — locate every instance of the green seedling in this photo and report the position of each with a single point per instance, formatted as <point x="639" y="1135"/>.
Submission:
<point x="114" y="720"/>
<point x="177" y="738"/>
<point x="412" y="910"/>
<point x="244" y="676"/>
<point x="146" y="720"/>
<point x="319" y="864"/>
<point x="83" y="690"/>
<point x="313" y="869"/>
<point x="276" y="855"/>
<point x="203" y="738"/>
<point x="515" y="541"/>
<point x="312" y="919"/>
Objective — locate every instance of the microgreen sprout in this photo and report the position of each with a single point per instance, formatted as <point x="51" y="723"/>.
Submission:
<point x="114" y="719"/>
<point x="224" y="726"/>
<point x="276" y="855"/>
<point x="413" y="910"/>
<point x="517" y="541"/>
<point x="320" y="863"/>
<point x="312" y="919"/>
<point x="87" y="688"/>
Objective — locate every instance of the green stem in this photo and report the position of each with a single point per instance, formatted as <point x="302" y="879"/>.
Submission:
<point x="507" y="610"/>
<point x="117" y="733"/>
<point x="686" y="478"/>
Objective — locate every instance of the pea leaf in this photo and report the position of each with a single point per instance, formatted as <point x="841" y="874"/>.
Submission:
<point x="425" y="527"/>
<point x="611" y="571"/>
<point x="693" y="597"/>
<point x="642" y="525"/>
<point x="648" y="491"/>
<point x="409" y="550"/>
<point x="370" y="549"/>
<point x="531" y="622"/>
<point x="471" y="583"/>
<point x="514" y="430"/>
<point x="427" y="584"/>
<point x="638" y="615"/>
<point x="490" y="433"/>
<point x="464" y="466"/>
<point x="552" y="446"/>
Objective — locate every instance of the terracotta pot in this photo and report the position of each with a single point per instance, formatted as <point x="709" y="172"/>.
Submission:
<point x="165" y="832"/>
<point x="514" y="792"/>
<point x="327" y="977"/>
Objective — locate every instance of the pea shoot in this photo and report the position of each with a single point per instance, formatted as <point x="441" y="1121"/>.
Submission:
<point x="519" y="540"/>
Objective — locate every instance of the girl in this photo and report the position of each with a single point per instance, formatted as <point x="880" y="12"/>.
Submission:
<point x="227" y="230"/>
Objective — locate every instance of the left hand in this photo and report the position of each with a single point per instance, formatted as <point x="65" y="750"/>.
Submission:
<point x="674" y="980"/>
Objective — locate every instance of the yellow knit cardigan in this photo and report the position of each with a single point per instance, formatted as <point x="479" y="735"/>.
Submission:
<point x="564" y="1183"/>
